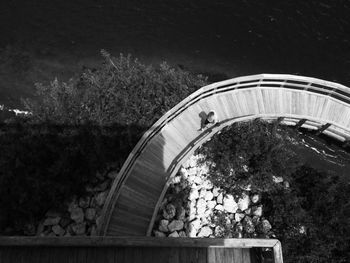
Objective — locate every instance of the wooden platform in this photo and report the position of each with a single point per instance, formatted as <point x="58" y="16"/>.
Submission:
<point x="136" y="193"/>
<point x="134" y="249"/>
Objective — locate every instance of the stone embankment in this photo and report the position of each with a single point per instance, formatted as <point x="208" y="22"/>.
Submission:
<point x="82" y="215"/>
<point x="193" y="207"/>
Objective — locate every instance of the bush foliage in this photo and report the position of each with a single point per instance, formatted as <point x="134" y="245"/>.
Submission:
<point x="311" y="217"/>
<point x="122" y="90"/>
<point x="75" y="128"/>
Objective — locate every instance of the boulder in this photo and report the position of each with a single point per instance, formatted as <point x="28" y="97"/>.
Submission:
<point x="180" y="213"/>
<point x="79" y="228"/>
<point x="201" y="207"/>
<point x="65" y="221"/>
<point x="50" y="221"/>
<point x="265" y="226"/>
<point x="216" y="191"/>
<point x="208" y="196"/>
<point x="255" y="198"/>
<point x="174" y="234"/>
<point x="193" y="194"/>
<point x="205" y="232"/>
<point x="211" y="205"/>
<point x="90" y="214"/>
<point x="182" y="234"/>
<point x="219" y="208"/>
<point x="77" y="215"/>
<point x="277" y="179"/>
<point x="239" y="216"/>
<point x="58" y="230"/>
<point x="169" y="212"/>
<point x="230" y="205"/>
<point x="159" y="234"/>
<point x="220" y="198"/>
<point x="101" y="198"/>
<point x="175" y="225"/>
<point x="243" y="202"/>
<point x="257" y="210"/>
<point x="163" y="225"/>
<point x="207" y="184"/>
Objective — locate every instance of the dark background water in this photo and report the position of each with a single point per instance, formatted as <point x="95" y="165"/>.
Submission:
<point x="41" y="40"/>
<point x="224" y="38"/>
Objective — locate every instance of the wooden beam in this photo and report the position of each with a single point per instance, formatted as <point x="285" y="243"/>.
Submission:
<point x="323" y="128"/>
<point x="277" y="252"/>
<point x="133" y="241"/>
<point x="300" y="123"/>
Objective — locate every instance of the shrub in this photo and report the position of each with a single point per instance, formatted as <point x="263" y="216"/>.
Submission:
<point x="122" y="90"/>
<point x="249" y="154"/>
<point x="310" y="218"/>
<point x="43" y="166"/>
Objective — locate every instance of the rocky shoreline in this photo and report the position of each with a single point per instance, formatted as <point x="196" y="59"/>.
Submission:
<point x="81" y="216"/>
<point x="193" y="207"/>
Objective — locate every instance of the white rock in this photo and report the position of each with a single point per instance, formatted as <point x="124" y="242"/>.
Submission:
<point x="201" y="207"/>
<point x="255" y="198"/>
<point x="243" y="202"/>
<point x="195" y="224"/>
<point x="220" y="198"/>
<point x="257" y="210"/>
<point x="219" y="208"/>
<point x="176" y="179"/>
<point x="159" y="234"/>
<point x="163" y="225"/>
<point x="197" y="180"/>
<point x="193" y="194"/>
<point x="216" y="191"/>
<point x="202" y="193"/>
<point x="211" y="205"/>
<point x="239" y="217"/>
<point x="230" y="205"/>
<point x="207" y="184"/>
<point x="174" y="234"/>
<point x="277" y="179"/>
<point x="192" y="172"/>
<point x="176" y="225"/>
<point x="77" y="215"/>
<point x="192" y="232"/>
<point x="205" y="232"/>
<point x="208" y="196"/>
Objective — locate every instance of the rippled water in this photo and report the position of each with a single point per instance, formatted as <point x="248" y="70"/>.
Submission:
<point x="40" y="40"/>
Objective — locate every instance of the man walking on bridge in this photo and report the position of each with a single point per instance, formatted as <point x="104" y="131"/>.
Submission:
<point x="211" y="120"/>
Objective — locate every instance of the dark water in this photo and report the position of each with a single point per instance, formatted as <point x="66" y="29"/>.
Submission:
<point x="40" y="40"/>
<point x="223" y="38"/>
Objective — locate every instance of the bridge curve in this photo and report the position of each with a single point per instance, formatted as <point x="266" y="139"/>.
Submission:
<point x="140" y="186"/>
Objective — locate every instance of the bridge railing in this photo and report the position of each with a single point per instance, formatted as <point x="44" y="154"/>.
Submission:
<point x="307" y="84"/>
<point x="134" y="249"/>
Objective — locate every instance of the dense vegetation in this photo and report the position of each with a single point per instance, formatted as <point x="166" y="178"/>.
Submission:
<point x="76" y="129"/>
<point x="309" y="214"/>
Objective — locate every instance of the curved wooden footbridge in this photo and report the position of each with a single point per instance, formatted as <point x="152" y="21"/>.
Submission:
<point x="136" y="193"/>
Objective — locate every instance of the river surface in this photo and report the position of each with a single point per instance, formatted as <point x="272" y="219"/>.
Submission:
<point x="41" y="40"/>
